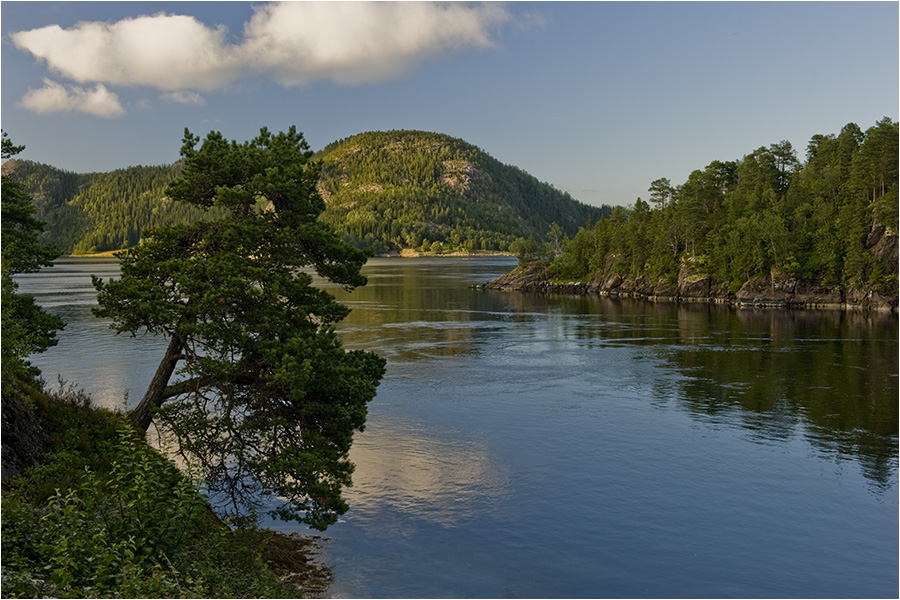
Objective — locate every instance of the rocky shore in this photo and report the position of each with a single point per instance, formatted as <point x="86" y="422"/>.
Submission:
<point x="775" y="290"/>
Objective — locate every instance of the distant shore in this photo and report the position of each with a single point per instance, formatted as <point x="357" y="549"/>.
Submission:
<point x="405" y="253"/>
<point x="410" y="253"/>
<point x="107" y="254"/>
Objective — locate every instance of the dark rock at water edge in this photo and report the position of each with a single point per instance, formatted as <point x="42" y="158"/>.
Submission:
<point x="775" y="290"/>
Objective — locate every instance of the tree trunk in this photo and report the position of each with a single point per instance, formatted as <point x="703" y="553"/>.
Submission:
<point x="155" y="395"/>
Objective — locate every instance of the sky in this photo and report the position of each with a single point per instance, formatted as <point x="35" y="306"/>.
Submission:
<point x="596" y="98"/>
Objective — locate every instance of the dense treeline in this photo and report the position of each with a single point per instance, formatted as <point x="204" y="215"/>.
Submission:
<point x="768" y="212"/>
<point x="384" y="191"/>
<point x="431" y="192"/>
<point x="96" y="212"/>
<point x="406" y="189"/>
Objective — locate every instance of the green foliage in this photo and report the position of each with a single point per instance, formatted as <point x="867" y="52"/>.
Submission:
<point x="766" y="212"/>
<point x="385" y="191"/>
<point x="268" y="399"/>
<point x="98" y="212"/>
<point x="27" y="328"/>
<point x="78" y="434"/>
<point x="401" y="189"/>
<point x="119" y="521"/>
<point x="528" y="250"/>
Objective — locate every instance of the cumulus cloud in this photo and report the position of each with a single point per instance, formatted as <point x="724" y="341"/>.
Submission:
<point x="185" y="97"/>
<point x="55" y="97"/>
<point x="168" y="52"/>
<point x="364" y="42"/>
<point x="292" y="42"/>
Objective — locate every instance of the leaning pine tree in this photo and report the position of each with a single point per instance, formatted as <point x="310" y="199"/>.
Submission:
<point x="255" y="386"/>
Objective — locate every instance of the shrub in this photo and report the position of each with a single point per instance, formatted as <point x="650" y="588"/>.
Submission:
<point x="135" y="527"/>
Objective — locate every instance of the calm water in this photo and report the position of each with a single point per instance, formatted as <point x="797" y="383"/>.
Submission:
<point x="553" y="446"/>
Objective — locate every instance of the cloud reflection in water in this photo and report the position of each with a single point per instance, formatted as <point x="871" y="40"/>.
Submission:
<point x="444" y="481"/>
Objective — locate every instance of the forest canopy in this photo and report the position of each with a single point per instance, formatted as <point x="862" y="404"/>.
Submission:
<point x="818" y="216"/>
<point x="820" y="219"/>
<point x="435" y="193"/>
<point x="384" y="191"/>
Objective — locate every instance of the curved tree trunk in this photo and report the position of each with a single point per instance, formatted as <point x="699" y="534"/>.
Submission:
<point x="156" y="392"/>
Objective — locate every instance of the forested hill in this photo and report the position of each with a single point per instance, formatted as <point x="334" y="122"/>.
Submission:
<point x="386" y="191"/>
<point x="410" y="189"/>
<point x="94" y="212"/>
<point x="768" y="229"/>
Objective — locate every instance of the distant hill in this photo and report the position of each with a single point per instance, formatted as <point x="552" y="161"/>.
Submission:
<point x="95" y="212"/>
<point x="383" y="190"/>
<point x="410" y="189"/>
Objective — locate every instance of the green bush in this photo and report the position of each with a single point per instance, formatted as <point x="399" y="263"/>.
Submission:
<point x="135" y="528"/>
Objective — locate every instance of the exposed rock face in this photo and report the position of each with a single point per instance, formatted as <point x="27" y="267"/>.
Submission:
<point x="458" y="175"/>
<point x="760" y="292"/>
<point x="882" y="242"/>
<point x="608" y="279"/>
<point x="775" y="290"/>
<point x="665" y="290"/>
<point x="531" y="277"/>
<point x="693" y="283"/>
<point x="780" y="291"/>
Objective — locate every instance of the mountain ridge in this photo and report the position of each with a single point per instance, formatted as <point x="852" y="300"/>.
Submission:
<point x="385" y="190"/>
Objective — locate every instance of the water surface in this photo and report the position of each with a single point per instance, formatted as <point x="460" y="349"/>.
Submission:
<point x="560" y="446"/>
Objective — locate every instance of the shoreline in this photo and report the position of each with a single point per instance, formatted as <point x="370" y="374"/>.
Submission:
<point x="411" y="253"/>
<point x="405" y="253"/>
<point x="106" y="254"/>
<point x="774" y="291"/>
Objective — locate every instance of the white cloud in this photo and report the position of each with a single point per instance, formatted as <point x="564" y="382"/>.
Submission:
<point x="360" y="42"/>
<point x="55" y="97"/>
<point x="184" y="97"/>
<point x="168" y="52"/>
<point x="293" y="42"/>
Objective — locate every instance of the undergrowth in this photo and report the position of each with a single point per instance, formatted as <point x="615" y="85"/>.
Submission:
<point x="105" y="515"/>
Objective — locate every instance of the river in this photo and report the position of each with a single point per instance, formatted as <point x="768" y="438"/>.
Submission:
<point x="563" y="446"/>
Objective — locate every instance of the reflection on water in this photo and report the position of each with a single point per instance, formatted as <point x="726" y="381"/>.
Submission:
<point x="414" y="309"/>
<point x="442" y="480"/>
<point x="576" y="446"/>
<point x="829" y="375"/>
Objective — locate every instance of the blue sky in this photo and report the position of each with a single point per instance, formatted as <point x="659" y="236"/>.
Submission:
<point x="596" y="98"/>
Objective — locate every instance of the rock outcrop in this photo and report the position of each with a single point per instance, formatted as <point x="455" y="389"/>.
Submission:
<point x="530" y="277"/>
<point x="882" y="242"/>
<point x="775" y="290"/>
<point x="780" y="291"/>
